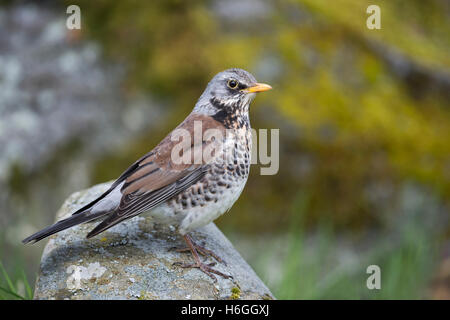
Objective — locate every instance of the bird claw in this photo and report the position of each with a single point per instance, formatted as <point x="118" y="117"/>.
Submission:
<point x="202" y="250"/>
<point x="206" y="268"/>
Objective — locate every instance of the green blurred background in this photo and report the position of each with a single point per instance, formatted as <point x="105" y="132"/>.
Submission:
<point x="364" y="123"/>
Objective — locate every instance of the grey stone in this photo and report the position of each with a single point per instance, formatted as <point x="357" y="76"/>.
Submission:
<point x="134" y="260"/>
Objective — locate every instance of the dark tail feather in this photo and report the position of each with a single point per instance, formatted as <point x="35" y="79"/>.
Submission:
<point x="73" y="220"/>
<point x="109" y="222"/>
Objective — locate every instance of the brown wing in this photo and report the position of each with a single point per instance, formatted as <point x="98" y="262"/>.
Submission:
<point x="156" y="177"/>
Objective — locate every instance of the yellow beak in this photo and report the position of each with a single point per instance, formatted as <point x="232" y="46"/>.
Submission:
<point x="258" y="87"/>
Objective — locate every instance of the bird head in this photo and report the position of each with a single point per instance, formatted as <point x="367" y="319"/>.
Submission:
<point x="229" y="91"/>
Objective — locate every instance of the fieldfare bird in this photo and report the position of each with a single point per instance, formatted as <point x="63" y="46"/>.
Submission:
<point x="192" y="176"/>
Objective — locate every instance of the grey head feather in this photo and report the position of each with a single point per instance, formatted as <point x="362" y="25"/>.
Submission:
<point x="218" y="90"/>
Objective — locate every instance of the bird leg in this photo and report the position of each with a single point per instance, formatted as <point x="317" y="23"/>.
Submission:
<point x="206" y="268"/>
<point x="200" y="249"/>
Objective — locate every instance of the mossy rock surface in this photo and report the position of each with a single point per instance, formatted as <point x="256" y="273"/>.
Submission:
<point x="134" y="260"/>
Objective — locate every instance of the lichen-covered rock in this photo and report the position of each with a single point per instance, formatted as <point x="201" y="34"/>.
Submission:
<point x="134" y="260"/>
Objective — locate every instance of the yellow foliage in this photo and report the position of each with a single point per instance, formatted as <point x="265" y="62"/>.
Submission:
<point x="359" y="123"/>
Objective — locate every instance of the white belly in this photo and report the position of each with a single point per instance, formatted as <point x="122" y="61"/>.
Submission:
<point x="194" y="217"/>
<point x="200" y="216"/>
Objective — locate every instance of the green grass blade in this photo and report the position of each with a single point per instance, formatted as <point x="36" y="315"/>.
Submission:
<point x="29" y="291"/>
<point x="8" y="280"/>
<point x="12" y="293"/>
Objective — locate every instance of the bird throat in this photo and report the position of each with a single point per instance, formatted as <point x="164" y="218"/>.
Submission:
<point x="232" y="115"/>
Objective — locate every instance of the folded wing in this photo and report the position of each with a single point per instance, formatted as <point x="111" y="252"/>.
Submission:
<point x="156" y="177"/>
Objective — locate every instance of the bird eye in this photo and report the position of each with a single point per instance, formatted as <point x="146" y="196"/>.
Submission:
<point x="233" y="83"/>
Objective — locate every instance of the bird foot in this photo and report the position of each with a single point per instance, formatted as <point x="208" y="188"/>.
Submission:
<point x="202" y="250"/>
<point x="206" y="268"/>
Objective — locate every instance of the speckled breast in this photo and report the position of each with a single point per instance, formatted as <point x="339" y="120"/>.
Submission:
<point x="222" y="185"/>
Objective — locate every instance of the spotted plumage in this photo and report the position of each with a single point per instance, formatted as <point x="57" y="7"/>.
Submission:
<point x="192" y="176"/>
